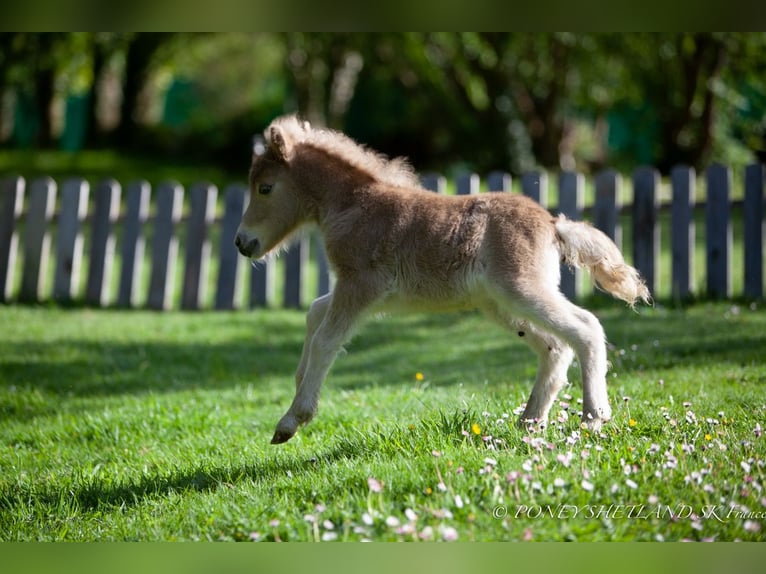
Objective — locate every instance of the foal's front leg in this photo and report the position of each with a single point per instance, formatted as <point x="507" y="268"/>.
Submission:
<point x="340" y="313"/>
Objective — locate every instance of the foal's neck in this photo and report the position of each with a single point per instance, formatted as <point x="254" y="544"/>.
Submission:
<point x="328" y="181"/>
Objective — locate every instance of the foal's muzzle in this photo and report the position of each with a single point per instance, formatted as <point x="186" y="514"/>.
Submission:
<point x="246" y="245"/>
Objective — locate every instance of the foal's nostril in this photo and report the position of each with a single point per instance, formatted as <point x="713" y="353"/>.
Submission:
<point x="246" y="245"/>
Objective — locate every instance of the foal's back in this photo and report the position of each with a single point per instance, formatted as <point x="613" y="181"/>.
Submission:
<point x="432" y="249"/>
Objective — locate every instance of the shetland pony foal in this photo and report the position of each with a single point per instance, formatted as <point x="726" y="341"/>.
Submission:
<point x="394" y="246"/>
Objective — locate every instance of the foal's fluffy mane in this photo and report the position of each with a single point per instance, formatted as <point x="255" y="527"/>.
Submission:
<point x="395" y="171"/>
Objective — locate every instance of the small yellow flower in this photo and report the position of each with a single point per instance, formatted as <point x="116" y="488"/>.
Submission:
<point x="632" y="422"/>
<point x="475" y="429"/>
<point x="428" y="490"/>
<point x="412" y="426"/>
<point x="708" y="437"/>
<point x="419" y="376"/>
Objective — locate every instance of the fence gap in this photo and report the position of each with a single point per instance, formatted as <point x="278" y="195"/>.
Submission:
<point x="203" y="197"/>
<point x="718" y="236"/>
<point x="296" y="260"/>
<point x="499" y="181"/>
<point x="169" y="198"/>
<point x="682" y="232"/>
<point x="262" y="283"/>
<point x="138" y="195"/>
<point x="535" y="185"/>
<point x="37" y="240"/>
<point x="571" y="187"/>
<point x="754" y="230"/>
<point x="11" y="204"/>
<point x="646" y="229"/>
<point x="434" y="182"/>
<point x="229" y="257"/>
<point x="105" y="212"/>
<point x="69" y="239"/>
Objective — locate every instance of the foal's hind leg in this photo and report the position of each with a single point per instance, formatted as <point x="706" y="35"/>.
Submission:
<point x="314" y="318"/>
<point x="554" y="357"/>
<point x="552" y="311"/>
<point x="583" y="331"/>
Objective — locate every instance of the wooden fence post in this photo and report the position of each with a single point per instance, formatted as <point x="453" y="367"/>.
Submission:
<point x="646" y="229"/>
<point x="138" y="195"/>
<point x="105" y="213"/>
<point x="11" y="204"/>
<point x="169" y="199"/>
<point x="37" y="240"/>
<point x="467" y="184"/>
<point x="606" y="210"/>
<point x="718" y="231"/>
<point x="36" y="236"/>
<point x="203" y="198"/>
<point x="682" y="233"/>
<point x="499" y="181"/>
<point x="69" y="240"/>
<point x="229" y="258"/>
<point x="754" y="230"/>
<point x="571" y="186"/>
<point x="535" y="185"/>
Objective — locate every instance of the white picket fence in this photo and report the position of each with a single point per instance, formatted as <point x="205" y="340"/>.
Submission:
<point x="148" y="231"/>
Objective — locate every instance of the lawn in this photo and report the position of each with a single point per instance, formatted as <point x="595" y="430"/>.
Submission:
<point x="97" y="165"/>
<point x="132" y="425"/>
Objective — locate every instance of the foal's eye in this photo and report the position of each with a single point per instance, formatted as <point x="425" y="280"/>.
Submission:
<point x="264" y="188"/>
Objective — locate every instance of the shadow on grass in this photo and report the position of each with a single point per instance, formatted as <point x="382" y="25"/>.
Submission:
<point x="450" y="349"/>
<point x="96" y="494"/>
<point x="68" y="367"/>
<point x="98" y="369"/>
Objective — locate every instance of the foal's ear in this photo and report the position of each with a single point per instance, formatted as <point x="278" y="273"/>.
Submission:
<point x="280" y="143"/>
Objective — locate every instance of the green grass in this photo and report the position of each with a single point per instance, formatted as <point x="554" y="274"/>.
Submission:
<point x="155" y="426"/>
<point x="98" y="165"/>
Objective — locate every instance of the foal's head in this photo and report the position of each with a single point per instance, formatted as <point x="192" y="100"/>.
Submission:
<point x="281" y="198"/>
<point x="275" y="208"/>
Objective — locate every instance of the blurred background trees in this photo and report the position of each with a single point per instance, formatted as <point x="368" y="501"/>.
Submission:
<point x="480" y="101"/>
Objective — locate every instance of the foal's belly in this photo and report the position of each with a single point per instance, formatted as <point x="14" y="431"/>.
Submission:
<point x="416" y="305"/>
<point x="404" y="302"/>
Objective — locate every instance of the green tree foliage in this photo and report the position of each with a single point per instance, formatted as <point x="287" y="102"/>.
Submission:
<point x="475" y="100"/>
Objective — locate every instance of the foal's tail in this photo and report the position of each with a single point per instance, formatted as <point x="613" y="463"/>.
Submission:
<point x="582" y="245"/>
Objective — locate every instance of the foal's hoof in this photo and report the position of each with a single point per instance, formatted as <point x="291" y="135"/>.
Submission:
<point x="281" y="436"/>
<point x="286" y="429"/>
<point x="532" y="423"/>
<point x="594" y="424"/>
